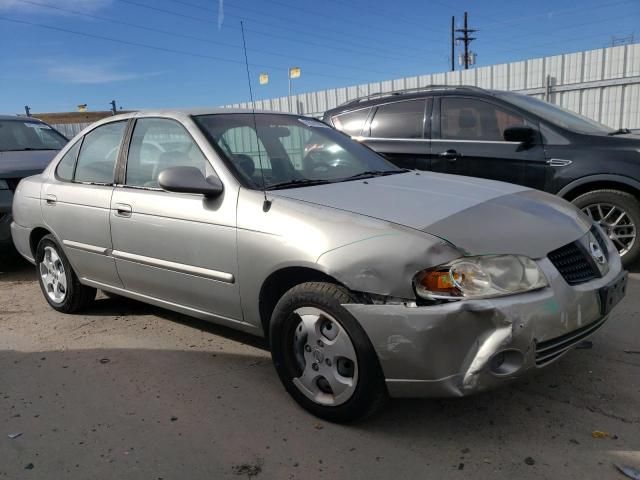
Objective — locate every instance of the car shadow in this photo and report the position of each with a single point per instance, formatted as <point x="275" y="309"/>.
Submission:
<point x="116" y="305"/>
<point x="14" y="268"/>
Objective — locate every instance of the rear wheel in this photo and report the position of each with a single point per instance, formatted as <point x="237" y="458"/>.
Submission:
<point x="618" y="213"/>
<point x="58" y="281"/>
<point x="323" y="357"/>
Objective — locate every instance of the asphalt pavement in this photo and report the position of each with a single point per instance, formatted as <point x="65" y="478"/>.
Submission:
<point x="130" y="391"/>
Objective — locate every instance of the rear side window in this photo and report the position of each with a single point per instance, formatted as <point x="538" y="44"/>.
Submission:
<point x="99" y="153"/>
<point x="351" y="123"/>
<point x="469" y="119"/>
<point x="67" y="165"/>
<point x="399" y="120"/>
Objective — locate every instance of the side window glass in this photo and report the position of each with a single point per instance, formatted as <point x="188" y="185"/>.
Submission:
<point x="468" y="119"/>
<point x="65" y="167"/>
<point x="351" y="123"/>
<point x="99" y="153"/>
<point x="158" y="144"/>
<point x="399" y="120"/>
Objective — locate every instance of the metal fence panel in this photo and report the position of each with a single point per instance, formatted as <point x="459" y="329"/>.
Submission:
<point x="602" y="84"/>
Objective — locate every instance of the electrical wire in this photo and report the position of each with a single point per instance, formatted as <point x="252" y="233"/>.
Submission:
<point x="158" y="48"/>
<point x="192" y="37"/>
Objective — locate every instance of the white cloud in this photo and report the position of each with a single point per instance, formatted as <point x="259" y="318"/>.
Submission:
<point x="33" y="6"/>
<point x="91" y="73"/>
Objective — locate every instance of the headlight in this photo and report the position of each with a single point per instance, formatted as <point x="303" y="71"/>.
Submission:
<point x="480" y="277"/>
<point x="4" y="185"/>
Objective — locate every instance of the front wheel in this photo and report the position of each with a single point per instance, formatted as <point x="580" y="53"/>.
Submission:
<point x="323" y="356"/>
<point x="618" y="213"/>
<point x="58" y="281"/>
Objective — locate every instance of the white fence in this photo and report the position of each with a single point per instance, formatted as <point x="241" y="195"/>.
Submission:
<point x="601" y="84"/>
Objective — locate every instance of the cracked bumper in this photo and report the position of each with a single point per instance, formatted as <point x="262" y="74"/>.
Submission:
<point x="460" y="348"/>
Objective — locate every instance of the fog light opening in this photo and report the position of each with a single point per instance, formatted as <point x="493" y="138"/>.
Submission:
<point x="506" y="362"/>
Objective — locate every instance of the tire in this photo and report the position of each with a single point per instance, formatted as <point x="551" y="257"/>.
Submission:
<point x="293" y="351"/>
<point x="58" y="282"/>
<point x="622" y="201"/>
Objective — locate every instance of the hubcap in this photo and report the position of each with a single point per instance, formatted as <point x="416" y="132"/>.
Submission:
<point x="615" y="222"/>
<point x="54" y="278"/>
<point x="326" y="358"/>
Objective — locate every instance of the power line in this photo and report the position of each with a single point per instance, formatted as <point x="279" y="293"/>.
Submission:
<point x="392" y="56"/>
<point x="191" y="37"/>
<point x="158" y="48"/>
<point x="333" y="17"/>
<point x="331" y="38"/>
<point x="527" y="18"/>
<point x="557" y="39"/>
<point x="267" y="34"/>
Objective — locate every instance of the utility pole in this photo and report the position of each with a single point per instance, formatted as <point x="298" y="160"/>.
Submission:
<point x="27" y="110"/>
<point x="114" y="110"/>
<point x="453" y="43"/>
<point x="466" y="39"/>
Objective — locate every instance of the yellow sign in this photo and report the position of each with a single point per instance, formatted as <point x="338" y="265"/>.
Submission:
<point x="264" y="78"/>
<point x="82" y="107"/>
<point x="294" y="72"/>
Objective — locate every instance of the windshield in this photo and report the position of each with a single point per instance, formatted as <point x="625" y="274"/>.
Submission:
<point x="556" y="115"/>
<point x="290" y="151"/>
<point x="18" y="135"/>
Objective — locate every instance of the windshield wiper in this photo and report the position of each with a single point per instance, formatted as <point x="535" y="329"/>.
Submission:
<point x="300" y="182"/>
<point x="620" y="131"/>
<point x="373" y="173"/>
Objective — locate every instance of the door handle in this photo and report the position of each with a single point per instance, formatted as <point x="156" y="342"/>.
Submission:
<point x="123" y="210"/>
<point x="451" y="155"/>
<point x="51" y="199"/>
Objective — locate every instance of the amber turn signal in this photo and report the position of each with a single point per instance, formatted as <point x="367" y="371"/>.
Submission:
<point x="437" y="282"/>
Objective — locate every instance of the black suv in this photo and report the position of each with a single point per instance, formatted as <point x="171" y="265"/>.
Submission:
<point x="510" y="137"/>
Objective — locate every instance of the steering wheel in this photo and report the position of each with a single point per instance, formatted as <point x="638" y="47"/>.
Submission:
<point x="314" y="168"/>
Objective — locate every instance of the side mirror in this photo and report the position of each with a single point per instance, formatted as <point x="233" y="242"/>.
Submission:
<point x="525" y="135"/>
<point x="189" y="180"/>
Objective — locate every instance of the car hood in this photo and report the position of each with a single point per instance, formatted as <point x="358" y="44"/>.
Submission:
<point x="478" y="216"/>
<point x="24" y="164"/>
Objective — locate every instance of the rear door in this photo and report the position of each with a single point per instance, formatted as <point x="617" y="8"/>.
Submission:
<point x="399" y="132"/>
<point x="469" y="140"/>
<point x="76" y="202"/>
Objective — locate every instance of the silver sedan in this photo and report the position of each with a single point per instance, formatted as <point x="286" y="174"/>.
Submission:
<point x="368" y="280"/>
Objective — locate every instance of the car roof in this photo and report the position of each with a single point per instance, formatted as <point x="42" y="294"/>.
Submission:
<point x="177" y="114"/>
<point x="409" y="94"/>
<point x="184" y="112"/>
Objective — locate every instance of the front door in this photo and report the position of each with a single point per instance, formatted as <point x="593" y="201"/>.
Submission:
<point x="398" y="131"/>
<point x="179" y="248"/>
<point x="470" y="141"/>
<point x="76" y="202"/>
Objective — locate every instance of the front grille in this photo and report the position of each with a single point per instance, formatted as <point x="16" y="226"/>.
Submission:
<point x="549" y="350"/>
<point x="574" y="264"/>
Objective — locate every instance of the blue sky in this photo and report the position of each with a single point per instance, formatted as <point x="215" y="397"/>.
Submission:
<point x="172" y="53"/>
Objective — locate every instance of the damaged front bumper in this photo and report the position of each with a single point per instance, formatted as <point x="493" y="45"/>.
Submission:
<point x="464" y="347"/>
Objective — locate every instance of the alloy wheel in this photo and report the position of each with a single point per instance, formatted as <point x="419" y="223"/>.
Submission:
<point x="53" y="275"/>
<point x="325" y="356"/>
<point x="616" y="223"/>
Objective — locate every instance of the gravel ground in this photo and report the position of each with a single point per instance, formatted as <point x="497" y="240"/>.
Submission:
<point x="130" y="391"/>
